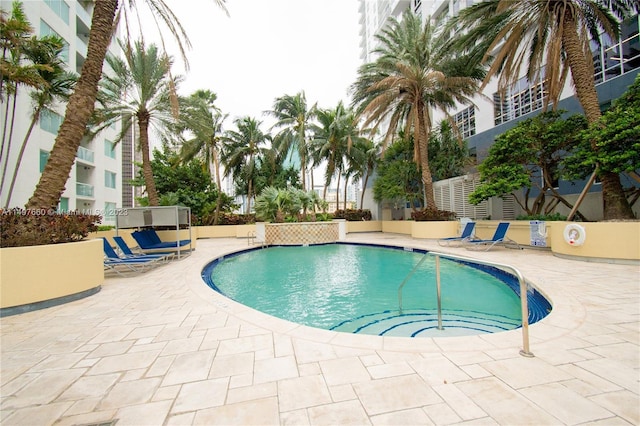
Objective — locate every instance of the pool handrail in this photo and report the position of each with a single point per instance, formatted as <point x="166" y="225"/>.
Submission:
<point x="523" y="290"/>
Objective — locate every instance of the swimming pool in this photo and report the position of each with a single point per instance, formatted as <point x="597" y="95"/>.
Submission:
<point x="354" y="288"/>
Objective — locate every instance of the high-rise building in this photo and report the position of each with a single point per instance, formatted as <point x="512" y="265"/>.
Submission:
<point x="95" y="183"/>
<point x="617" y="63"/>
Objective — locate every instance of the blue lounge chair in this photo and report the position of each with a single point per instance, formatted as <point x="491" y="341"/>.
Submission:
<point x="129" y="254"/>
<point x="148" y="239"/>
<point x="115" y="263"/>
<point x="499" y="238"/>
<point x="467" y="234"/>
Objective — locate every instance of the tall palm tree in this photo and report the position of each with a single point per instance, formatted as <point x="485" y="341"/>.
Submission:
<point x="413" y="72"/>
<point x="17" y="68"/>
<point x="138" y="93"/>
<point x="333" y="141"/>
<point x="203" y="121"/>
<point x="58" y="88"/>
<point x="242" y="153"/>
<point x="553" y="35"/>
<point x="293" y="118"/>
<point x="106" y="16"/>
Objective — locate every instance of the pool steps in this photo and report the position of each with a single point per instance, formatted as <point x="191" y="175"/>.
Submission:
<point x="424" y="323"/>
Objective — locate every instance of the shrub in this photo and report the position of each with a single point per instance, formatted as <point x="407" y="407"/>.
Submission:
<point x="353" y="215"/>
<point x="546" y="217"/>
<point x="235" y="219"/>
<point x="432" y="215"/>
<point x="21" y="228"/>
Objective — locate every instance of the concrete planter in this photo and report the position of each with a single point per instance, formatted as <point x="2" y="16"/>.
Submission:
<point x="49" y="274"/>
<point x="604" y="242"/>
<point x="397" y="226"/>
<point x="364" y="226"/>
<point x="435" y="229"/>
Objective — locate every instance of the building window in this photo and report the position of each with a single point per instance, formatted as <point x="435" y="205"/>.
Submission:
<point x="63" y="205"/>
<point x="109" y="179"/>
<point x="46" y="30"/>
<point x="612" y="58"/>
<point x="109" y="212"/>
<point x="50" y="121"/>
<point x="465" y="121"/>
<point x="109" y="149"/>
<point x="60" y="8"/>
<point x="522" y="98"/>
<point x="44" y="157"/>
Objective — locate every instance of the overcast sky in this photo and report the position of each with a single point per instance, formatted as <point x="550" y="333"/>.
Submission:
<point x="266" y="49"/>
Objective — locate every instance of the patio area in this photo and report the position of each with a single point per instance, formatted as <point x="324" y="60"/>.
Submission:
<point x="161" y="348"/>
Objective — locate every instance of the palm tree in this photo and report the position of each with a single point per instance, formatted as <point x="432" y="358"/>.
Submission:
<point x="19" y="66"/>
<point x="105" y="17"/>
<point x="137" y="93"/>
<point x="242" y="153"/>
<point x="554" y="36"/>
<point x="333" y="142"/>
<point x="293" y="119"/>
<point x="58" y="87"/>
<point x="203" y="121"/>
<point x="414" y="71"/>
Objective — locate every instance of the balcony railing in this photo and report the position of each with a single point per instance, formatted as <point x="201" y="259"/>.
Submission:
<point x="84" y="190"/>
<point x="85" y="154"/>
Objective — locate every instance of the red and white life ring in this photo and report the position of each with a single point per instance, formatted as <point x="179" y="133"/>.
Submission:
<point x="574" y="235"/>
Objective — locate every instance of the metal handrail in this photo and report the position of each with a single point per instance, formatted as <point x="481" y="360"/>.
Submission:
<point x="523" y="291"/>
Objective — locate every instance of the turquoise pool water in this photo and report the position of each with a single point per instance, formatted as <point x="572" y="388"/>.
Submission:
<point x="354" y="288"/>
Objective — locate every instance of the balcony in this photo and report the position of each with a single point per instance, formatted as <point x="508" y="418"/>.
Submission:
<point x="85" y="155"/>
<point x="84" y="190"/>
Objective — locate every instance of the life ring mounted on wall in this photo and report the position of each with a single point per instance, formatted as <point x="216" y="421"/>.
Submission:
<point x="574" y="235"/>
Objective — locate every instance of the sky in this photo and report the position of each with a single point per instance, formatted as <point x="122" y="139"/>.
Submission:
<point x="265" y="49"/>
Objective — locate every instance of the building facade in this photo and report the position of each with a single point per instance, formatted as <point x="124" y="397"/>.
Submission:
<point x="617" y="63"/>
<point x="96" y="179"/>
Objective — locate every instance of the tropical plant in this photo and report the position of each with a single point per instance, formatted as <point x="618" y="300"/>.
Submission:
<point x="553" y="37"/>
<point x="414" y="71"/>
<point x="334" y="139"/>
<point x="448" y="154"/>
<point x="104" y="20"/>
<point x="398" y="179"/>
<point x="293" y="118"/>
<point x="243" y="149"/>
<point x="617" y="135"/>
<point x="58" y="86"/>
<point x="529" y="156"/>
<point x="138" y="93"/>
<point x="202" y="121"/>
<point x="186" y="184"/>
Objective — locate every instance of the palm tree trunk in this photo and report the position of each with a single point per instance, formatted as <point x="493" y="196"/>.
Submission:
<point x="216" y="162"/>
<point x="11" y="127"/>
<point x="338" y="192"/>
<point x="147" y="172"/>
<point x="423" y="152"/>
<point x="36" y="115"/>
<point x="79" y="109"/>
<point x="346" y="182"/>
<point x="615" y="203"/>
<point x="364" y="188"/>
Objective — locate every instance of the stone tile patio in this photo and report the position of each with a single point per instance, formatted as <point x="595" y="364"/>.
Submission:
<point x="163" y="349"/>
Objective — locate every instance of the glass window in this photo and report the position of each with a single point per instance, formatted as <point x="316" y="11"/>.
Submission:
<point x="44" y="157"/>
<point x="109" y="179"/>
<point x="466" y="122"/>
<point x="63" y="205"/>
<point x="109" y="212"/>
<point x="109" y="149"/>
<point x="50" y="121"/>
<point x="60" y="8"/>
<point x="45" y="30"/>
